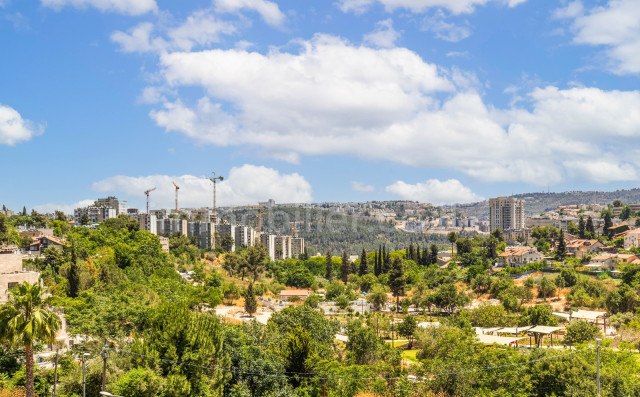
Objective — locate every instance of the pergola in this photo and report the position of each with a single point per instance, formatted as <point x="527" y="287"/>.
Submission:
<point x="586" y="315"/>
<point x="499" y="340"/>
<point x="539" y="331"/>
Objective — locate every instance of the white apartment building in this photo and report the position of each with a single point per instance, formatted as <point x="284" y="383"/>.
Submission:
<point x="171" y="227"/>
<point x="506" y="213"/>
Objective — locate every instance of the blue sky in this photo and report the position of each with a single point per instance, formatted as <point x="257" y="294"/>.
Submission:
<point x="439" y="101"/>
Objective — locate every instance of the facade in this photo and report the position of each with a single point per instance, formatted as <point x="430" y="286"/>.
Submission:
<point x="11" y="271"/>
<point x="171" y="227"/>
<point x="244" y="236"/>
<point x="297" y="247"/>
<point x="95" y="214"/>
<point x="283" y="247"/>
<point x="300" y="294"/>
<point x="519" y="256"/>
<point x="148" y="222"/>
<point x="506" y="213"/>
<point x="226" y="229"/>
<point x="632" y="239"/>
<point x="269" y="242"/>
<point x="112" y="202"/>
<point x="203" y="233"/>
<point x="164" y="243"/>
<point x="42" y="243"/>
<point x="160" y="214"/>
<point x="579" y="248"/>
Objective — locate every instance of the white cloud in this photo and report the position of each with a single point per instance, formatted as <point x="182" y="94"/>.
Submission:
<point x="384" y="36"/>
<point x="434" y="191"/>
<point x="3" y="3"/>
<point x="362" y="187"/>
<point x="445" y="30"/>
<point x="269" y="11"/>
<point x="420" y="6"/>
<point x="14" y="129"/>
<point x="615" y="26"/>
<point x="247" y="184"/>
<point x="50" y="208"/>
<point x="332" y="98"/>
<point x="128" y="7"/>
<point x="201" y="28"/>
<point x="571" y="10"/>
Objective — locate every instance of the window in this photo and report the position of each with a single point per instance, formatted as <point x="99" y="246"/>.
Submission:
<point x="11" y="285"/>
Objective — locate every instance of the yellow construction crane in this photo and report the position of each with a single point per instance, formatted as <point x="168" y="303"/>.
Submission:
<point x="177" y="188"/>
<point x="261" y="211"/>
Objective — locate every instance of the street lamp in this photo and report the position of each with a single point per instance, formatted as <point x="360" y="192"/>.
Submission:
<point x="84" y="385"/>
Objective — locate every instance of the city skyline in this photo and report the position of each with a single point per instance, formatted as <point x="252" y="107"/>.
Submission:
<point x="426" y="100"/>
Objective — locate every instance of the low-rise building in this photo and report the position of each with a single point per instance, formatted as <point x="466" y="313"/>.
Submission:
<point x="287" y="294"/>
<point x="579" y="248"/>
<point x="632" y="239"/>
<point x="12" y="272"/>
<point x="519" y="256"/>
<point x="42" y="243"/>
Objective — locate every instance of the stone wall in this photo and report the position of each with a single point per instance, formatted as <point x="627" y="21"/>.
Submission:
<point x="9" y="279"/>
<point x="10" y="263"/>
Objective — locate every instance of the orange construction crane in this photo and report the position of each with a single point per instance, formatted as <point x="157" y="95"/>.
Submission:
<point x="177" y="188"/>
<point x="146" y="192"/>
<point x="261" y="211"/>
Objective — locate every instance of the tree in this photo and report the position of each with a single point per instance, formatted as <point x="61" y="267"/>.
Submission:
<point x="84" y="219"/>
<point x="448" y="298"/>
<point x="73" y="277"/>
<point x="235" y="263"/>
<point x="625" y="212"/>
<point x="257" y="258"/>
<point x="24" y="320"/>
<point x="364" y="345"/>
<point x="579" y="331"/>
<point x="328" y="260"/>
<point x="567" y="278"/>
<point x="608" y="223"/>
<point x="140" y="382"/>
<point x="53" y="257"/>
<point x="378" y="297"/>
<point x="590" y="229"/>
<point x="342" y="301"/>
<point x="345" y="269"/>
<point x="227" y="242"/>
<point x="250" y="302"/>
<point x="407" y="328"/>
<point x="617" y="203"/>
<point x="452" y="239"/>
<point x="312" y="301"/>
<point x="581" y="227"/>
<point x="561" y="249"/>
<point x="362" y="269"/>
<point x="497" y="233"/>
<point x="433" y="257"/>
<point x="397" y="280"/>
<point x="546" y="287"/>
<point x="230" y="292"/>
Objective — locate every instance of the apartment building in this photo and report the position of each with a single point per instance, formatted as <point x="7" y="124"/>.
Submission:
<point x="269" y="241"/>
<point x="244" y="236"/>
<point x="297" y="247"/>
<point x="171" y="227"/>
<point x="506" y="213"/>
<point x="148" y="222"/>
<point x="203" y="233"/>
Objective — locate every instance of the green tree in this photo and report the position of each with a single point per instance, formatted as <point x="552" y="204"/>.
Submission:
<point x="378" y="297"/>
<point x="582" y="229"/>
<point x="250" y="302"/>
<point x="140" y="382"/>
<point x="257" y="258"/>
<point x="24" y="321"/>
<point x="407" y="328"/>
<point x="448" y="298"/>
<point x="397" y="280"/>
<point x="625" y="212"/>
<point x="53" y="257"/>
<point x="227" y="242"/>
<point x="433" y="257"/>
<point x="579" y="331"/>
<point x="497" y="233"/>
<point x="312" y="301"/>
<point x="617" y="203"/>
<point x="363" y="269"/>
<point x="608" y="223"/>
<point x="230" y="292"/>
<point x="329" y="263"/>
<point x="235" y="263"/>
<point x="342" y="301"/>
<point x="589" y="228"/>
<point x="567" y="278"/>
<point x="561" y="249"/>
<point x="345" y="269"/>
<point x="546" y="287"/>
<point x="452" y="239"/>
<point x="363" y="346"/>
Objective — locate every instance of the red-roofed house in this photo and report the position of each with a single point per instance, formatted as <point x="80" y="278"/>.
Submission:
<point x="519" y="256"/>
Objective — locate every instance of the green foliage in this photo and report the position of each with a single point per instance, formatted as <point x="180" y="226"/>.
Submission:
<point x="448" y="298"/>
<point x="250" y="302"/>
<point x="140" y="382"/>
<point x="580" y="331"/>
<point x="378" y="297"/>
<point x="364" y="346"/>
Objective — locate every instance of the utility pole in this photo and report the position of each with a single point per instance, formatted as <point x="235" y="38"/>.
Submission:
<point x="598" y="365"/>
<point x="104" y="367"/>
<point x="214" y="179"/>
<point x="55" y="373"/>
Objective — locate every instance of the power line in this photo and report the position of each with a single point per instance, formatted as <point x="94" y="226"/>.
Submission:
<point x="310" y="374"/>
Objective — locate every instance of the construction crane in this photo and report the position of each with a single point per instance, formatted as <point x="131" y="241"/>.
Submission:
<point x="261" y="211"/>
<point x="146" y="192"/>
<point x="177" y="188"/>
<point x="215" y="210"/>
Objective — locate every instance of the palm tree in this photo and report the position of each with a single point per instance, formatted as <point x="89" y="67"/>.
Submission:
<point x="24" y="319"/>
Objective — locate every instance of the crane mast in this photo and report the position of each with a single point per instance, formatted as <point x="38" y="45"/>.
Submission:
<point x="177" y="188"/>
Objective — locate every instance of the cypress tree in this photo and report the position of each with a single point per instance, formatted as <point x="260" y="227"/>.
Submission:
<point x="581" y="227"/>
<point x="607" y="224"/>
<point x="345" y="269"/>
<point x="590" y="229"/>
<point x="362" y="270"/>
<point x="418" y="256"/>
<point x="433" y="258"/>
<point x="74" y="273"/>
<point x="250" y="302"/>
<point x="329" y="262"/>
<point x="562" y="247"/>
<point x="397" y="281"/>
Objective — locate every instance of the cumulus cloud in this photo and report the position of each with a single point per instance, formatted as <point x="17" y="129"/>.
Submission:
<point x="362" y="187"/>
<point x="420" y="6"/>
<point x="201" y="28"/>
<point x="333" y="97"/>
<point x="434" y="191"/>
<point x="50" y="208"/>
<point x="268" y="10"/>
<point x="384" y="36"/>
<point x="14" y="129"/>
<point x="246" y="184"/>
<point x="614" y="26"/>
<point x="128" y="7"/>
